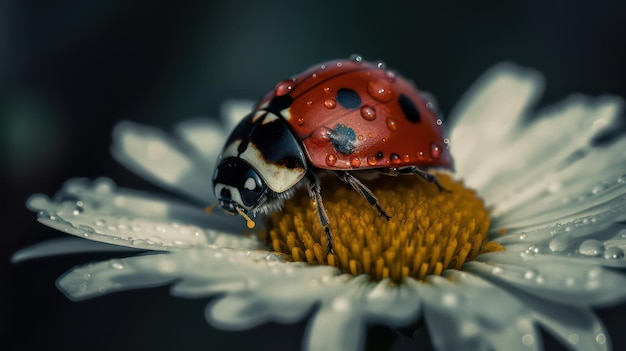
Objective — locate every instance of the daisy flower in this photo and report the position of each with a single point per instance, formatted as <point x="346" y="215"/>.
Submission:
<point x="528" y="237"/>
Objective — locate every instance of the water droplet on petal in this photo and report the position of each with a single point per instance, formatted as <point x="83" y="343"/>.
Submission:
<point x="598" y="189"/>
<point x="622" y="179"/>
<point x="559" y="243"/>
<point x="380" y="90"/>
<point x="368" y="113"/>
<point x="283" y="88"/>
<point x="591" y="247"/>
<point x="613" y="253"/>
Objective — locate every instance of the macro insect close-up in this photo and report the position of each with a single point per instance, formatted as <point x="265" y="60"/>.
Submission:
<point x="343" y="116"/>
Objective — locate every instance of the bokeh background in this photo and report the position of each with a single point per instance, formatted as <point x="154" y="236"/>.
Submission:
<point x="70" y="70"/>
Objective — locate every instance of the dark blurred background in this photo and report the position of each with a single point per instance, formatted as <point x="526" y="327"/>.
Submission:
<point x="70" y="70"/>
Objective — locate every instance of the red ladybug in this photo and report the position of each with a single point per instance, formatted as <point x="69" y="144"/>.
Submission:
<point x="341" y="116"/>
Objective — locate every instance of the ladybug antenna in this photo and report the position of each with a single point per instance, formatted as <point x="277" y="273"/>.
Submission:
<point x="249" y="222"/>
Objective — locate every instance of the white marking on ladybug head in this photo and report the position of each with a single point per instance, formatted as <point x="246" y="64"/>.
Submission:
<point x="279" y="178"/>
<point x="286" y="113"/>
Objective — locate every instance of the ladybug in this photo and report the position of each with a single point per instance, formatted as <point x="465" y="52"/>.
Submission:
<point x="342" y="117"/>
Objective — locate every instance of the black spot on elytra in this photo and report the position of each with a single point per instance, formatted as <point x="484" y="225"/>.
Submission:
<point x="342" y="138"/>
<point x="409" y="109"/>
<point x="348" y="98"/>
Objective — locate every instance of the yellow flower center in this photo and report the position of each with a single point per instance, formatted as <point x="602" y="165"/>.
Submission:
<point x="429" y="230"/>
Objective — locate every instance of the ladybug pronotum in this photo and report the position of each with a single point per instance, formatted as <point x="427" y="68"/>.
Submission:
<point x="343" y="117"/>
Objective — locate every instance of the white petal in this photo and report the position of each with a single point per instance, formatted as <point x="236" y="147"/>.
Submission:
<point x="555" y="278"/>
<point x="335" y="329"/>
<point x="467" y="313"/>
<point x="545" y="157"/>
<point x="233" y="111"/>
<point x="578" y="328"/>
<point x="486" y="118"/>
<point x="63" y="246"/>
<point x="205" y="136"/>
<point x="102" y="212"/>
<point x="155" y="156"/>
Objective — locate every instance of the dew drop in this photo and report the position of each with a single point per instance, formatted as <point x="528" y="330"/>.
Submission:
<point x="391" y="77"/>
<point x="559" y="243"/>
<point x="591" y="247"/>
<point x="391" y="124"/>
<point x="117" y="265"/>
<point x="421" y="156"/>
<point x="368" y="113"/>
<point x="283" y="88"/>
<point x="439" y="122"/>
<point x="309" y="103"/>
<point x="573" y="338"/>
<point x="330" y="103"/>
<point x="622" y="179"/>
<point x="322" y="66"/>
<point x="355" y="162"/>
<point x="497" y="270"/>
<point x="356" y="58"/>
<point x="331" y="159"/>
<point x="395" y="159"/>
<point x="406" y="158"/>
<point x="529" y="274"/>
<point x="528" y="339"/>
<point x="380" y="90"/>
<point x="435" y="150"/>
<point x="100" y="222"/>
<point x="380" y="65"/>
<point x="523" y="236"/>
<point x="300" y="121"/>
<point x="613" y="253"/>
<point x="371" y="160"/>
<point x="598" y="189"/>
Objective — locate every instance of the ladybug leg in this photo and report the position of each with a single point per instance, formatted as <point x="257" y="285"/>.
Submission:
<point x="315" y="193"/>
<point x="425" y="175"/>
<point x="363" y="190"/>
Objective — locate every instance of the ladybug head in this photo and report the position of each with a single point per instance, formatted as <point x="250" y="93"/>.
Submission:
<point x="238" y="187"/>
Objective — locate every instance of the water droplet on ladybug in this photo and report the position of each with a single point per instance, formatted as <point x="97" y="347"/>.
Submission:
<point x="395" y="159"/>
<point x="406" y="158"/>
<point x="421" y="156"/>
<point x="355" y="162"/>
<point x="371" y="160"/>
<point x="439" y="122"/>
<point x="380" y="90"/>
<point x="321" y="136"/>
<point x="384" y="140"/>
<point x="435" y="150"/>
<point x="339" y="64"/>
<point x="283" y="88"/>
<point x="380" y="65"/>
<point x="327" y="90"/>
<point x="391" y="124"/>
<point x="309" y="103"/>
<point x="447" y="142"/>
<point x="391" y="76"/>
<point x="356" y="58"/>
<point x="370" y="135"/>
<point x="368" y="113"/>
<point x="360" y="137"/>
<point x="301" y="121"/>
<point x="331" y="159"/>
<point x="314" y="75"/>
<point x="322" y="66"/>
<point x="330" y="103"/>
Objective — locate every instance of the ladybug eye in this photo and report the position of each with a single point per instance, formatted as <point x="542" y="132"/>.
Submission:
<point x="250" y="183"/>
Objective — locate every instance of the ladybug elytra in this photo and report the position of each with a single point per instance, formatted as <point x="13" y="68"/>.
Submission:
<point x="341" y="117"/>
